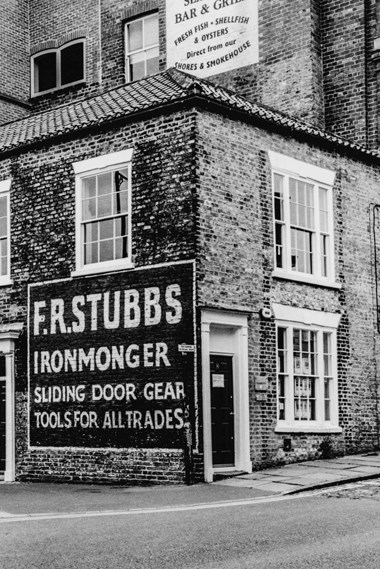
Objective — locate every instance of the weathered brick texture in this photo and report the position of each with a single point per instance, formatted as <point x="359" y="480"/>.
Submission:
<point x="345" y="67"/>
<point x="43" y="248"/>
<point x="235" y="273"/>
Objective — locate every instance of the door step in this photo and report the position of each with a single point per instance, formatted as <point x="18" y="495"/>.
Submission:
<point x="228" y="474"/>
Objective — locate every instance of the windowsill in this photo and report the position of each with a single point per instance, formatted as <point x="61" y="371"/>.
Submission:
<point x="299" y="429"/>
<point x="95" y="270"/>
<point x="6" y="281"/>
<point x="306" y="279"/>
<point x="57" y="90"/>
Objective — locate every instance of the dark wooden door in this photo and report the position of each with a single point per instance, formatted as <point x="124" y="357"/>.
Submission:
<point x="2" y="426"/>
<point x="222" y="411"/>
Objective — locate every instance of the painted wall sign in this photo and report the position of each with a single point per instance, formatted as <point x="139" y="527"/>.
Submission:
<point x="104" y="365"/>
<point x="209" y="37"/>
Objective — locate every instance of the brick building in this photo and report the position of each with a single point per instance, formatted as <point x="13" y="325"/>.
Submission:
<point x="188" y="236"/>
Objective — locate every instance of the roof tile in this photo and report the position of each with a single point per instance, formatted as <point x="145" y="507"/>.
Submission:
<point x="151" y="91"/>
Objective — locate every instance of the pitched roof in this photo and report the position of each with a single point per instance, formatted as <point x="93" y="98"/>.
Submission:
<point x="153" y="91"/>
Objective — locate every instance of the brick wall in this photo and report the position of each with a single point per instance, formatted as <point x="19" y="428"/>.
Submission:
<point x="235" y="273"/>
<point x="43" y="248"/>
<point x="344" y="73"/>
<point x="288" y="76"/>
<point x="14" y="49"/>
<point x="11" y="111"/>
<point x="290" y="59"/>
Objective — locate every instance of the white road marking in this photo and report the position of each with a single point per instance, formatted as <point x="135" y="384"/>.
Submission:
<point x="5" y="515"/>
<point x="11" y="518"/>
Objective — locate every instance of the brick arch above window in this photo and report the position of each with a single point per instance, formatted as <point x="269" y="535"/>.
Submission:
<point x="58" y="42"/>
<point x="139" y="9"/>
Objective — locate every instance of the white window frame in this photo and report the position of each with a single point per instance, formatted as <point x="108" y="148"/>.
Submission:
<point x="318" y="177"/>
<point x="312" y="320"/>
<point x="144" y="49"/>
<point x="5" y="190"/>
<point x="94" y="166"/>
<point x="58" y="81"/>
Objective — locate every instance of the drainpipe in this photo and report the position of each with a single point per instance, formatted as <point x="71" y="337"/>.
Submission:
<point x="375" y="214"/>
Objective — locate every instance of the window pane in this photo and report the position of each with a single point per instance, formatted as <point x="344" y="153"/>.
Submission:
<point x="302" y="252"/>
<point x="3" y="216"/>
<point x="106" y="250"/>
<point x="152" y="61"/>
<point x="106" y="229"/>
<point x="281" y="369"/>
<point x="3" y="226"/>
<point x="137" y="66"/>
<point x="3" y="206"/>
<point x="4" y="256"/>
<point x="135" y="36"/>
<point x="72" y="67"/>
<point x="326" y="342"/>
<point x="91" y="232"/>
<point x="120" y="202"/>
<point x="279" y="245"/>
<point x="121" y="248"/>
<point x="89" y="209"/>
<point x="327" y="400"/>
<point x="282" y="351"/>
<point x="281" y="398"/>
<point x="278" y="197"/>
<point x="151" y="30"/>
<point x="91" y="253"/>
<point x="45" y="69"/>
<point x="121" y="226"/>
<point x="293" y="201"/>
<point x="89" y="187"/>
<point x="105" y="206"/>
<point x="324" y="251"/>
<point x="104" y="184"/>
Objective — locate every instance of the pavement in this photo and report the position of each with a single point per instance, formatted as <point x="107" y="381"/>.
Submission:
<point x="308" y="475"/>
<point x="20" y="499"/>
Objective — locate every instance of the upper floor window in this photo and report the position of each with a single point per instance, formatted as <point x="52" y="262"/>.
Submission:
<point x="303" y="220"/>
<point x="103" y="212"/>
<point x="141" y="47"/>
<point x="5" y="216"/>
<point x="56" y="68"/>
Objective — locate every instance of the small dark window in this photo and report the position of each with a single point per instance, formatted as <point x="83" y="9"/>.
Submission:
<point x="57" y="68"/>
<point x="72" y="63"/>
<point x="45" y="72"/>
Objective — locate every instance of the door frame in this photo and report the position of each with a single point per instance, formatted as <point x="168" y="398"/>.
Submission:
<point x="235" y="327"/>
<point x="8" y="334"/>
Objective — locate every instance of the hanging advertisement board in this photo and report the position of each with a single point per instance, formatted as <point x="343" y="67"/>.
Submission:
<point x="205" y="38"/>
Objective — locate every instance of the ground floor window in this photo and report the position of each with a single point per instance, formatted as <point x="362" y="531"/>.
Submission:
<point x="307" y="393"/>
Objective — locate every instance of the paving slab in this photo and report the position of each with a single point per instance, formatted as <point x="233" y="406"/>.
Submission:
<point x="307" y="475"/>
